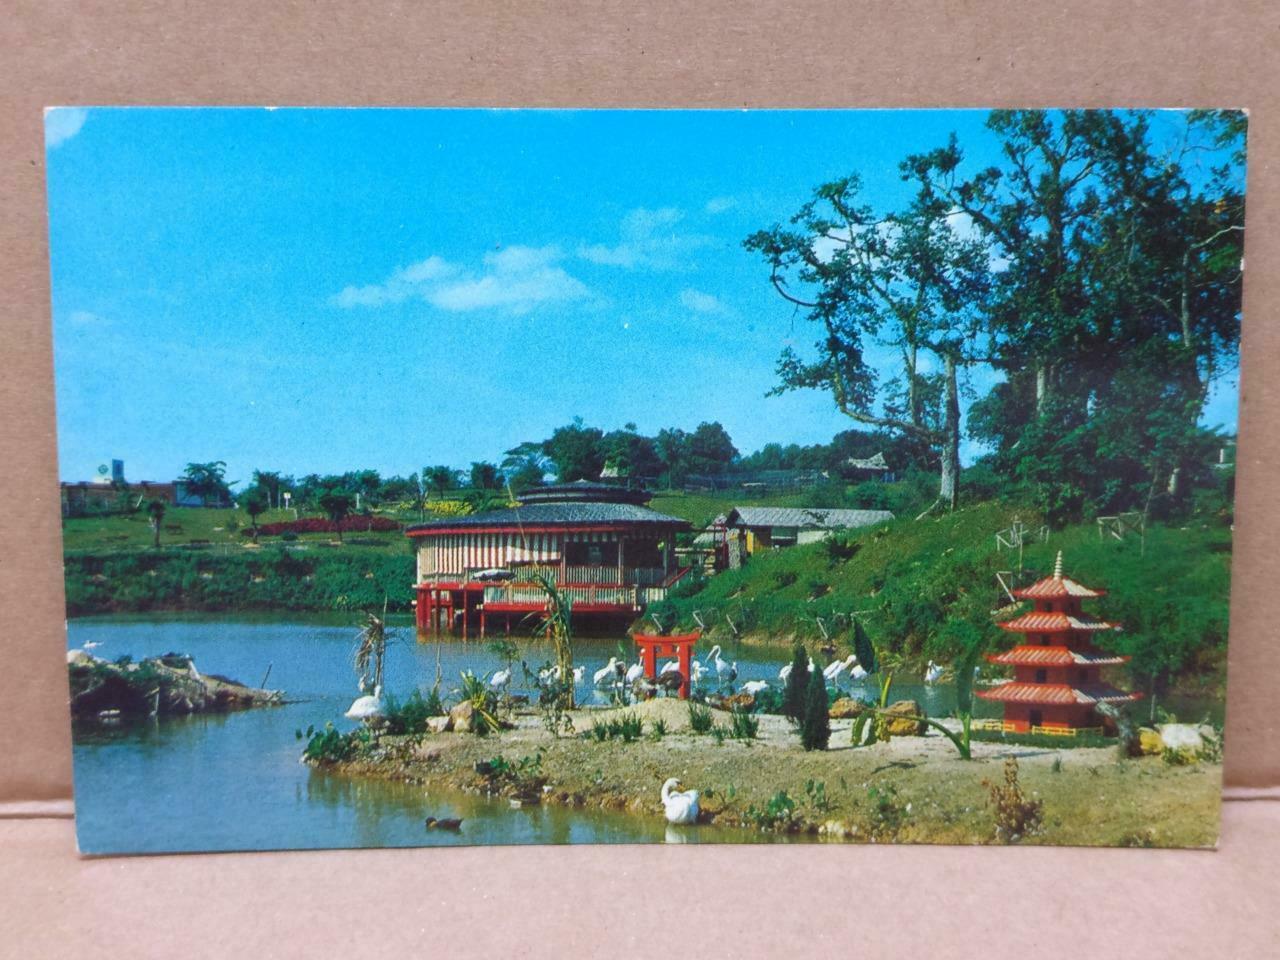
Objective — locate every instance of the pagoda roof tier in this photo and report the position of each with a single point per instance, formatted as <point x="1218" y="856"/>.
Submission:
<point x="1037" y="621"/>
<point x="1054" y="657"/>
<point x="1056" y="694"/>
<point x="1057" y="587"/>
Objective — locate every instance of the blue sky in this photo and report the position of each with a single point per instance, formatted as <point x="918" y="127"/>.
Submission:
<point x="323" y="290"/>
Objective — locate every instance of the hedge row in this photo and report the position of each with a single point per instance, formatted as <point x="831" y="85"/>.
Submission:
<point x="268" y="580"/>
<point x="320" y="525"/>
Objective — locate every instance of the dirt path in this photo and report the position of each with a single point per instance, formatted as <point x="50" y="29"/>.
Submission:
<point x="912" y="789"/>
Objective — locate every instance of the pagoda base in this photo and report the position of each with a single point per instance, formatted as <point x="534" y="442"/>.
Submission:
<point x="1051" y="718"/>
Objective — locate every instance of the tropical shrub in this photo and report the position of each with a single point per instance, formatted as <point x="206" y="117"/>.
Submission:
<point x="815" y="726"/>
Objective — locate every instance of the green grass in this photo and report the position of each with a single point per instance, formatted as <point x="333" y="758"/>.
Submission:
<point x="916" y="584"/>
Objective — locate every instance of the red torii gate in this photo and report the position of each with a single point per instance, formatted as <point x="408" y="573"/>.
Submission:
<point x="652" y="646"/>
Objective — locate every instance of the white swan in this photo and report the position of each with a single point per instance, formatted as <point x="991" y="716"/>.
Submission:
<point x="680" y="807"/>
<point x="607" y="673"/>
<point x="932" y="673"/>
<point x="755" y="686"/>
<point x="368" y="707"/>
<point x="832" y="671"/>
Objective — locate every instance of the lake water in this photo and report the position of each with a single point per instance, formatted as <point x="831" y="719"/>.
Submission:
<point x="234" y="782"/>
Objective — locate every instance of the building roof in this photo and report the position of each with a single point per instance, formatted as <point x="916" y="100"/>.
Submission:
<point x="1037" y="621"/>
<point x="1057" y="587"/>
<point x="1056" y="693"/>
<point x="877" y="462"/>
<point x="585" y="491"/>
<point x="566" y="514"/>
<point x="805" y="518"/>
<point x="1054" y="657"/>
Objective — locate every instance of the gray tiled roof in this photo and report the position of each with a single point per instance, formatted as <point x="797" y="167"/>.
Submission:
<point x="805" y="518"/>
<point x="569" y="514"/>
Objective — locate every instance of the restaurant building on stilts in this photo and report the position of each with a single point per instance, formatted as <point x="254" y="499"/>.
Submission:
<point x="599" y="543"/>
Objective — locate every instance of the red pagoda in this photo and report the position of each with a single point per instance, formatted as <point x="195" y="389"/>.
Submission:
<point x="1057" y="669"/>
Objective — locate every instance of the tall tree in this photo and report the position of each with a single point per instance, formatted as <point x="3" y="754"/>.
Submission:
<point x="207" y="481"/>
<point x="1119" y="301"/>
<point x="485" y="476"/>
<point x="576" y="451"/>
<point x="337" y="504"/>
<point x="710" y="450"/>
<point x="439" y="478"/>
<point x="910" y="281"/>
<point x="255" y="502"/>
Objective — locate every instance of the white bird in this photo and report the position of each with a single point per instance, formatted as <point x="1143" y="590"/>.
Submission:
<point x="634" y="672"/>
<point x="857" y="673"/>
<point x="832" y="671"/>
<point x="786" y="671"/>
<point x="680" y="807"/>
<point x="932" y="673"/>
<point x="92" y="644"/>
<point x="755" y="686"/>
<point x="368" y="707"/>
<point x="607" y="673"/>
<point x="501" y="679"/>
<point x="696" y="672"/>
<point x="726" y="672"/>
<point x="671" y="666"/>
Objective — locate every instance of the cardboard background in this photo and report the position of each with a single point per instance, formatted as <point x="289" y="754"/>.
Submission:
<point x="1212" y="53"/>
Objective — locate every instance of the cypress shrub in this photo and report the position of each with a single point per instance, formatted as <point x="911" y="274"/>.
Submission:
<point x="815" y="728"/>
<point x="793" y="695"/>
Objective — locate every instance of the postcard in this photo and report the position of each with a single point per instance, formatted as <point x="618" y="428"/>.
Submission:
<point x="436" y="477"/>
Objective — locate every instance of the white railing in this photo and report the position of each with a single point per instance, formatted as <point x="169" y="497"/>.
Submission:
<point x="581" y="574"/>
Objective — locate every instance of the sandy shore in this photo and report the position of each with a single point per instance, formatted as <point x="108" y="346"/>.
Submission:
<point x="911" y="789"/>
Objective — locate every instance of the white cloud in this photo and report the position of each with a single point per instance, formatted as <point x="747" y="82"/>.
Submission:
<point x="720" y="204"/>
<point x="62" y="123"/>
<point x="647" y="240"/>
<point x="700" y="302"/>
<point x="516" y="279"/>
<point x="963" y="227"/>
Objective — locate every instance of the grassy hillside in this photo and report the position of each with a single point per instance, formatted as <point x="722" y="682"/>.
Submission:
<point x="923" y="588"/>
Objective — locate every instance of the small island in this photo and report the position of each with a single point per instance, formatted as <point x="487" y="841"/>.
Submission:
<point x="106" y="691"/>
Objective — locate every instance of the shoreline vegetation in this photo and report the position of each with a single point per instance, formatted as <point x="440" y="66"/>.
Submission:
<point x="908" y="789"/>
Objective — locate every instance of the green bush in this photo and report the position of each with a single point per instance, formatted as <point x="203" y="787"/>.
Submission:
<point x="815" y="727"/>
<point x="700" y="719"/>
<point x="742" y="725"/>
<point x="793" y="696"/>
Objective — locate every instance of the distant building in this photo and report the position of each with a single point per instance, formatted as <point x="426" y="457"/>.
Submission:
<point x="96" y="497"/>
<point x="872" y="468"/>
<point x="770" y="528"/>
